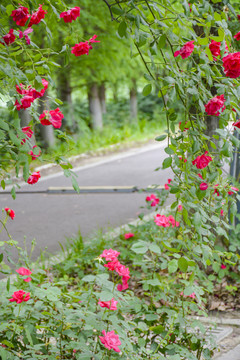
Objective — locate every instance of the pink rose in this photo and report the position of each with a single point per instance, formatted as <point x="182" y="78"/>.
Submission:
<point x="222" y="212"/>
<point x="161" y="220"/>
<point x="167" y="185"/>
<point x="110" y="254"/>
<point x="20" y="15"/>
<point x="37" y="16"/>
<point x="111" y="305"/>
<point x="70" y="15"/>
<point x="110" y="340"/>
<point x="154" y="200"/>
<point x="232" y="192"/>
<point x="128" y="235"/>
<point x="10" y="213"/>
<point x="203" y="186"/>
<point x="23" y="272"/>
<point x="52" y="117"/>
<point x="33" y="179"/>
<point x="186" y="50"/>
<point x="20" y="296"/>
<point x="202" y="161"/>
<point x="112" y="265"/>
<point x="180" y="207"/>
<point x="25" y="33"/>
<point x="214" y="105"/>
<point x="231" y="64"/>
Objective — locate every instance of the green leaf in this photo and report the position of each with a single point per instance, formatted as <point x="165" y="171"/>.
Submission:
<point x="8" y="284"/>
<point x="122" y="29"/>
<point x="183" y="264"/>
<point x="75" y="184"/>
<point x="3" y="184"/>
<point x="172" y="266"/>
<point x="162" y="41"/>
<point x="161" y="137"/>
<point x="1" y="257"/>
<point x="28" y="335"/>
<point x="140" y="247"/>
<point x="203" y="41"/>
<point x="153" y="282"/>
<point x="167" y="163"/>
<point x="209" y="54"/>
<point x="217" y="17"/>
<point x="105" y="296"/>
<point x="147" y="89"/>
<point x="13" y="192"/>
<point x="157" y="329"/>
<point x="197" y="219"/>
<point x="117" y="11"/>
<point x="89" y="278"/>
<point x="9" y="9"/>
<point x="155" y="248"/>
<point x="4" y="125"/>
<point x="169" y="151"/>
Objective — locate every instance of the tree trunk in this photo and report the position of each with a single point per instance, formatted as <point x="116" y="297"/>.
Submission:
<point x="133" y="102"/>
<point x="102" y="96"/>
<point x="47" y="132"/>
<point x="65" y="95"/>
<point x="95" y="107"/>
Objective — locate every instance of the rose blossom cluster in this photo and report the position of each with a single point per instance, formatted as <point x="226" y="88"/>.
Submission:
<point x="24" y="272"/>
<point x="153" y="199"/>
<point x="167" y="185"/>
<point x="29" y="94"/>
<point x="165" y="221"/>
<point x="114" y="265"/>
<point x="83" y="47"/>
<point x="215" y="104"/>
<point x="70" y="15"/>
<point x="21" y="16"/>
<point x="202" y="161"/>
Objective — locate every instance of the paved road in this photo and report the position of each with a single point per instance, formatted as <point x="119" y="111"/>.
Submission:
<point x="51" y="219"/>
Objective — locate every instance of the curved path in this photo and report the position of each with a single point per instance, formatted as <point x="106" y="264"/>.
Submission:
<point x="51" y="219"/>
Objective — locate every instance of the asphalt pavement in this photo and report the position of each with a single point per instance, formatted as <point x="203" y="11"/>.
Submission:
<point x="51" y="219"/>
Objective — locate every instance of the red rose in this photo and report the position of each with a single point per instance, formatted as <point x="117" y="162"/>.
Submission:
<point x="34" y="156"/>
<point x="20" y="296"/>
<point x="231" y="64"/>
<point x="33" y="179"/>
<point x="81" y="49"/>
<point x="237" y="124"/>
<point x="52" y="117"/>
<point x="202" y="161"/>
<point x="10" y="213"/>
<point x="186" y="50"/>
<point x="25" y="33"/>
<point x="203" y="186"/>
<point x="37" y="16"/>
<point x="214" y="47"/>
<point x="20" y="15"/>
<point x="70" y="15"/>
<point x="27" y="131"/>
<point x="9" y="38"/>
<point x="237" y="36"/>
<point x="214" y="105"/>
<point x="153" y="199"/>
<point x="238" y="16"/>
<point x="128" y="235"/>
